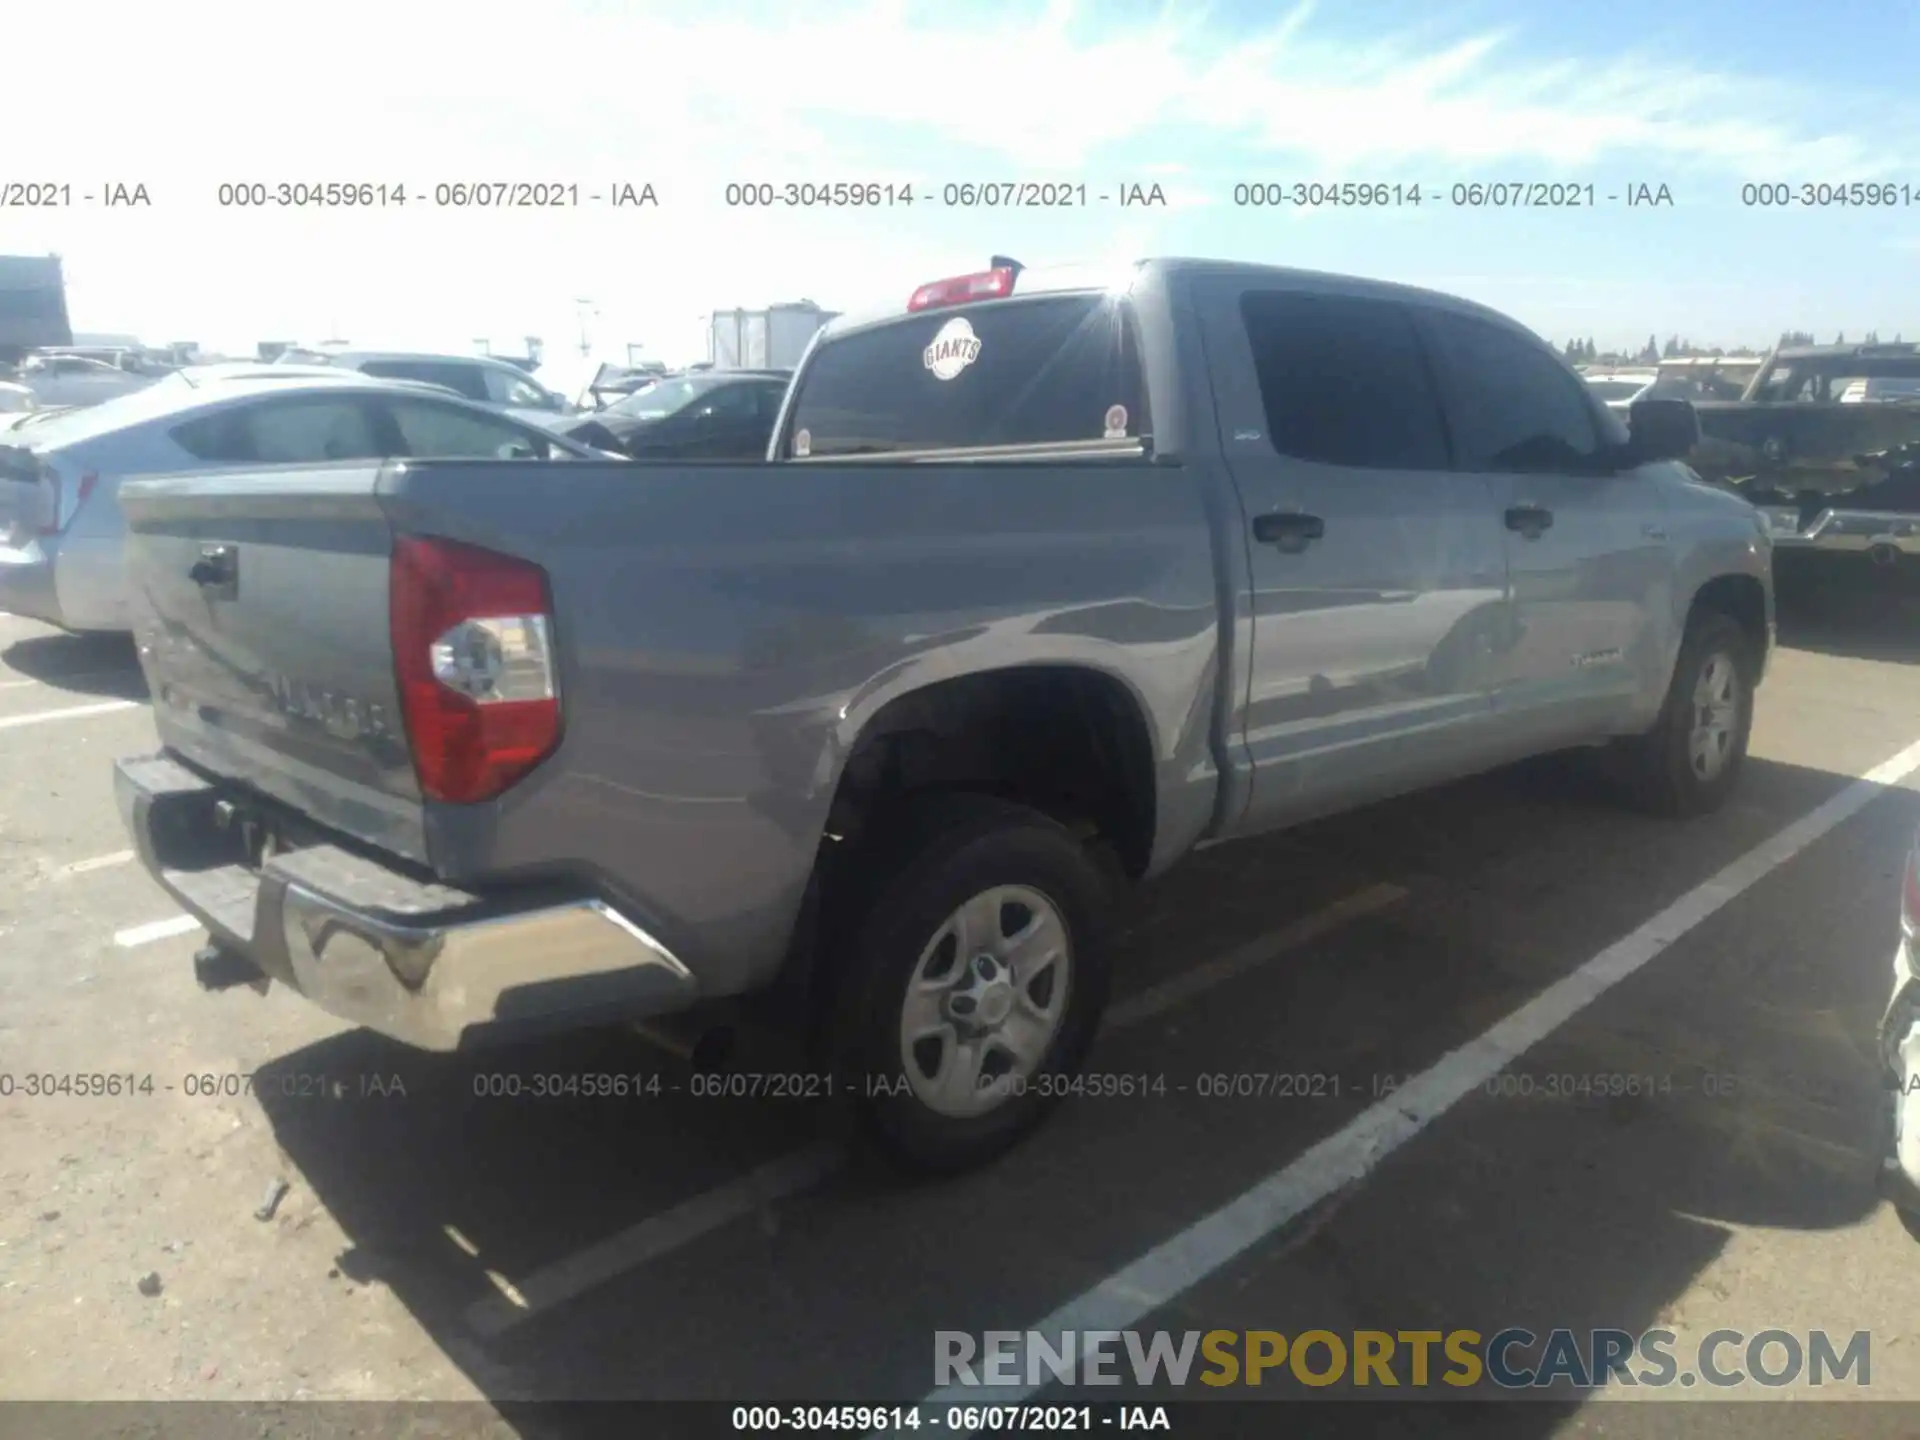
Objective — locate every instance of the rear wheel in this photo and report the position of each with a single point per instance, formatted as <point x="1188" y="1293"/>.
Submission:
<point x="1689" y="762"/>
<point x="974" y="979"/>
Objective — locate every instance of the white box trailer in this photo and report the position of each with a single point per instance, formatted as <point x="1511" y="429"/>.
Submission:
<point x="771" y="339"/>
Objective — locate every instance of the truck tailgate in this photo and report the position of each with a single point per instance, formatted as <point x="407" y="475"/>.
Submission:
<point x="260" y="605"/>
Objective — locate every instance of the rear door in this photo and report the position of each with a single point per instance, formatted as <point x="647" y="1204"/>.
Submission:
<point x="725" y="425"/>
<point x="768" y="395"/>
<point x="1379" y="579"/>
<point x="1586" y="543"/>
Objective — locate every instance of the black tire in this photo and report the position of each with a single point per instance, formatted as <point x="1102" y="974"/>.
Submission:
<point x="915" y="873"/>
<point x="1656" y="768"/>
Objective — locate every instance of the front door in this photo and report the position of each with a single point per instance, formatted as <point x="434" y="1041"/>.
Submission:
<point x="1378" y="575"/>
<point x="1586" y="539"/>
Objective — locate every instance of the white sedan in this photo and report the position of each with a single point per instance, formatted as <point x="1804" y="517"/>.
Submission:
<point x="1620" y="388"/>
<point x="78" y="380"/>
<point x="60" y="472"/>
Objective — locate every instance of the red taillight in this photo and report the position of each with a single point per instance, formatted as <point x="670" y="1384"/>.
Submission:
<point x="51" y="521"/>
<point x="987" y="285"/>
<point x="1910" y="894"/>
<point x="472" y="649"/>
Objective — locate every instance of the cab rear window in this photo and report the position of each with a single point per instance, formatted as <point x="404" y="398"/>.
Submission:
<point x="1043" y="371"/>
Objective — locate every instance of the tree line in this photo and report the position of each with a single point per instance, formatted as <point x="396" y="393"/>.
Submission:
<point x="1585" y="352"/>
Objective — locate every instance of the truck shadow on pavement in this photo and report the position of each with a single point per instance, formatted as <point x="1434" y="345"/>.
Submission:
<point x="103" y="665"/>
<point x="1519" y="1207"/>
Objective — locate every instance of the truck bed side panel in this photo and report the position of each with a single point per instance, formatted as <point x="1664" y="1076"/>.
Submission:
<point x="725" y="632"/>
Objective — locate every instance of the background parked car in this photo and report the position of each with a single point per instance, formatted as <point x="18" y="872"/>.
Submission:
<point x="61" y="532"/>
<point x="613" y="384"/>
<point x="1889" y="387"/>
<point x="717" y="415"/>
<point x="15" y="398"/>
<point x="482" y="379"/>
<point x="1618" y="389"/>
<point x="78" y="379"/>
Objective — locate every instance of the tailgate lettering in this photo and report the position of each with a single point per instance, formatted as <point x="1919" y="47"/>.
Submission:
<point x="347" y="716"/>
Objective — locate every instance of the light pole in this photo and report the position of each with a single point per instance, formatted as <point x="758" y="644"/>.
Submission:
<point x="585" y="309"/>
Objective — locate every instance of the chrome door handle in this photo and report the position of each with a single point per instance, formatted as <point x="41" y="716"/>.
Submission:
<point x="1529" y="519"/>
<point x="1290" y="532"/>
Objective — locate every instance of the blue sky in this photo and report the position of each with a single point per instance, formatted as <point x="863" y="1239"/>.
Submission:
<point x="1701" y="98"/>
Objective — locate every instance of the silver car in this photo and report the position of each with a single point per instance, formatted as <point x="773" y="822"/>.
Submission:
<point x="78" y="379"/>
<point x="61" y="532"/>
<point x="1618" y="389"/>
<point x="482" y="379"/>
<point x="1904" y="388"/>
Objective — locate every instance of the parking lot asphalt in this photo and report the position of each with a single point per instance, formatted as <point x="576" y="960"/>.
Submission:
<point x="436" y="1241"/>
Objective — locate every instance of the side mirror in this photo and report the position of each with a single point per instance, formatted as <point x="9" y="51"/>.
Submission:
<point x="1661" y="430"/>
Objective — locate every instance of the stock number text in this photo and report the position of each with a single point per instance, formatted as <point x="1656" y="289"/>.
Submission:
<point x="1853" y="194"/>
<point x="317" y="195"/>
<point x="1302" y="194"/>
<point x="830" y="195"/>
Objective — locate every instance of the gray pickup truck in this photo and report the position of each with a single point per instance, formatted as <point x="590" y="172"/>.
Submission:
<point x="1048" y="579"/>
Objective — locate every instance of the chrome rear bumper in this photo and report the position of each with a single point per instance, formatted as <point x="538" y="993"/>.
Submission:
<point x="427" y="964"/>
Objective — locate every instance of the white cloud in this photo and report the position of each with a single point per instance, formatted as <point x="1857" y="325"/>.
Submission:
<point x="690" y="97"/>
<point x="695" y="93"/>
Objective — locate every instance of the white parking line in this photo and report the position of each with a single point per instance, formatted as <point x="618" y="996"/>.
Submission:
<point x="98" y="862"/>
<point x="83" y="867"/>
<point x="56" y="681"/>
<point x="1188" y="983"/>
<point x="155" y="930"/>
<point x="653" y="1237"/>
<point x="72" y="712"/>
<point x="1135" y="1291"/>
<point x="800" y="1170"/>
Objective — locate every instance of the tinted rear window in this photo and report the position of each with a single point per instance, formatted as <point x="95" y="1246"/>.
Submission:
<point x="1020" y="372"/>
